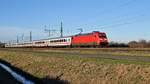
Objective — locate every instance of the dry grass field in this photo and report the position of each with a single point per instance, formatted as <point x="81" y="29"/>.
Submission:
<point x="70" y="66"/>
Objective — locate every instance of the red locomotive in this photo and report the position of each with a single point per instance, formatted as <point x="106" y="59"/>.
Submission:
<point x="94" y="39"/>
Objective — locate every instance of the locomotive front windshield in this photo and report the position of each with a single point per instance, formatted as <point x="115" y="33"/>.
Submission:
<point x="102" y="35"/>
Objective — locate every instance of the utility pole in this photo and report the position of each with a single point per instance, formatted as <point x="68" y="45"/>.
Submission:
<point x="49" y="31"/>
<point x="30" y="36"/>
<point x="61" y="30"/>
<point x="17" y="39"/>
<point x="22" y="37"/>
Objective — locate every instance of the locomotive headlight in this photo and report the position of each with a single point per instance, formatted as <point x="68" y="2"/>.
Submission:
<point x="101" y="39"/>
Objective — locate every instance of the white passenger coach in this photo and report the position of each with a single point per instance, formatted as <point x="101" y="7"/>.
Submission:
<point x="53" y="42"/>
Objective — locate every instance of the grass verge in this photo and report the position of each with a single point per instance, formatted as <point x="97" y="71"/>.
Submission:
<point x="78" y="70"/>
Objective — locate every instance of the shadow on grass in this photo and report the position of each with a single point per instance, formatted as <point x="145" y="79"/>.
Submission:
<point x="45" y="80"/>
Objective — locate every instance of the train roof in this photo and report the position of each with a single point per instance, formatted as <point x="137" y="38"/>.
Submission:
<point x="70" y="36"/>
<point x="88" y="33"/>
<point x="53" y="38"/>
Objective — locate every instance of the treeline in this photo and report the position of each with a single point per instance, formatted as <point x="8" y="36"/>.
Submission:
<point x="116" y="44"/>
<point x="139" y="44"/>
<point x="131" y="44"/>
<point x="2" y="45"/>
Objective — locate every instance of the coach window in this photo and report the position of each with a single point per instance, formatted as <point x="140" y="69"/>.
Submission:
<point x="68" y="40"/>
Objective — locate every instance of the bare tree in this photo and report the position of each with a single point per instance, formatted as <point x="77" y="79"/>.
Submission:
<point x="133" y="44"/>
<point x="2" y="45"/>
<point x="140" y="44"/>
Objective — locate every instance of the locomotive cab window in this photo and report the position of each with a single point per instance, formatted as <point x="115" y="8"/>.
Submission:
<point x="102" y="35"/>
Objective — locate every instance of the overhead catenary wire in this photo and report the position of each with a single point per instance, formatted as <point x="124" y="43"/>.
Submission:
<point x="113" y="9"/>
<point x="124" y="17"/>
<point x="119" y="24"/>
<point x="128" y="3"/>
<point x="124" y="20"/>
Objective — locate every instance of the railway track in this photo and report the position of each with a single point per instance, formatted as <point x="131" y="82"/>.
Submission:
<point x="95" y="52"/>
<point x="101" y="49"/>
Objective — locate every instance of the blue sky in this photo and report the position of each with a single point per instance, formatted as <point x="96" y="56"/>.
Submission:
<point x="122" y="20"/>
